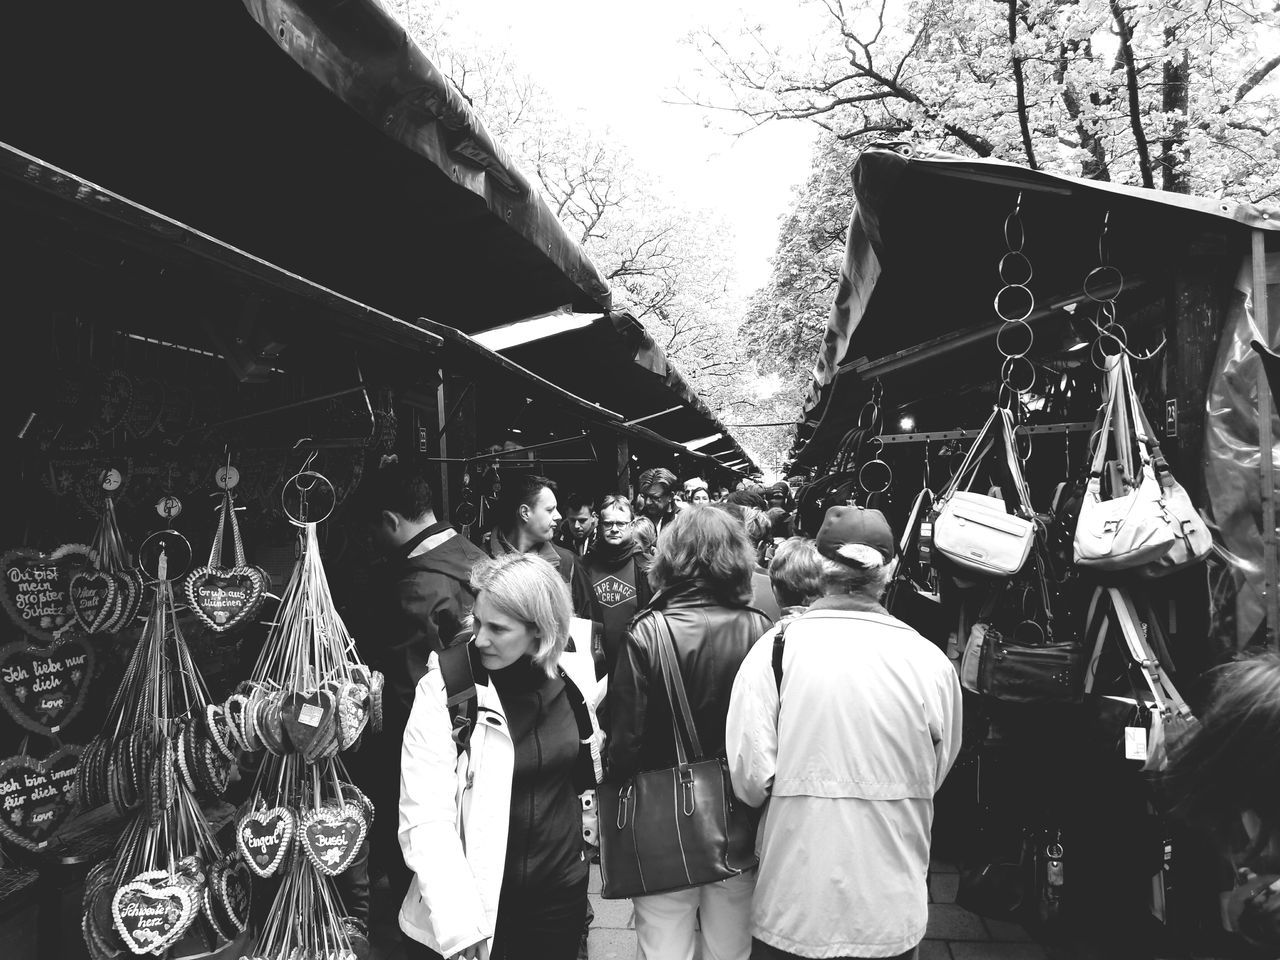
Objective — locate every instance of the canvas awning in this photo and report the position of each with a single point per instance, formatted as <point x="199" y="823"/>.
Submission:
<point x="914" y="302"/>
<point x="308" y="133"/>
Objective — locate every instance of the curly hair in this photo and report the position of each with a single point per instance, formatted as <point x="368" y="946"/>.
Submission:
<point x="708" y="546"/>
<point x="1228" y="765"/>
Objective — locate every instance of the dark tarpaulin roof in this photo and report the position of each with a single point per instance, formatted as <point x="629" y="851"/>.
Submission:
<point x="616" y="362"/>
<point x="355" y="163"/>
<point x="921" y="269"/>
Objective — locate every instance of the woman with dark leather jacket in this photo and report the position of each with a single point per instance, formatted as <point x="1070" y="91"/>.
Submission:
<point x="702" y="575"/>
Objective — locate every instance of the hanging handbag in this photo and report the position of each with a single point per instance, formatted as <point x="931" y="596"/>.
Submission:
<point x="917" y="605"/>
<point x="976" y="532"/>
<point x="676" y="828"/>
<point x="1132" y="528"/>
<point x="1192" y="540"/>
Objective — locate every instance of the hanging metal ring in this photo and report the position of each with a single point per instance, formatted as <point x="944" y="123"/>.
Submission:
<point x="1101" y="278"/>
<point x="1001" y="339"/>
<point x="1013" y="366"/>
<point x="1015" y="220"/>
<point x="1016" y="257"/>
<point x="1031" y="302"/>
<point x="304" y="516"/>
<point x="888" y="479"/>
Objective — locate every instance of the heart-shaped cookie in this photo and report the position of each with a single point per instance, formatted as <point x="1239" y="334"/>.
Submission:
<point x="308" y="718"/>
<point x="331" y="836"/>
<point x="224" y="598"/>
<point x="153" y="911"/>
<point x="263" y="838"/>
<point x="229" y="889"/>
<point x="93" y="599"/>
<point x="38" y="795"/>
<point x="36" y="591"/>
<point x="129" y="591"/>
<point x="44" y="690"/>
<point x="353" y="713"/>
<point x="269" y="724"/>
<point x="114" y="400"/>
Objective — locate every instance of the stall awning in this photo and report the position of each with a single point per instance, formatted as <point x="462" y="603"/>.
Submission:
<point x="464" y="354"/>
<point x="914" y="303"/>
<point x="311" y="134"/>
<point x="614" y="360"/>
<point x="42" y="204"/>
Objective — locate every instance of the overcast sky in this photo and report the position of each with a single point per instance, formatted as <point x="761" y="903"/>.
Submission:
<point x="620" y="63"/>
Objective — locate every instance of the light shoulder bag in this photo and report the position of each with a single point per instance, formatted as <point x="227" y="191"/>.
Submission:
<point x="977" y="532"/>
<point x="1132" y="529"/>
<point x="679" y="827"/>
<point x="1192" y="540"/>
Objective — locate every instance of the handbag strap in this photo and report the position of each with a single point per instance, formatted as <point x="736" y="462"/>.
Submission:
<point x="981" y="446"/>
<point x="1108" y="415"/>
<point x="1012" y="461"/>
<point x="1166" y="695"/>
<point x="679" y="700"/>
<point x="912" y="529"/>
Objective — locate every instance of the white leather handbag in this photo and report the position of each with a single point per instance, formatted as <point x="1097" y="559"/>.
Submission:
<point x="977" y="532"/>
<point x="1133" y="529"/>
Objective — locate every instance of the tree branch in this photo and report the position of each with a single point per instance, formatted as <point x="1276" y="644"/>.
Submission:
<point x="1135" y="107"/>
<point x="1020" y="86"/>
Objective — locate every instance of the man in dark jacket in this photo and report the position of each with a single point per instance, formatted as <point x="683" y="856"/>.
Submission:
<point x="527" y="514"/>
<point x="617" y="571"/>
<point x="418" y="598"/>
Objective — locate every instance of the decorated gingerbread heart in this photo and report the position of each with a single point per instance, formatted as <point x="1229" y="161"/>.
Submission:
<point x="331" y="836"/>
<point x="38" y="796"/>
<point x="43" y="690"/>
<point x="263" y="838"/>
<point x="153" y="911"/>
<point x="93" y="599"/>
<point x="36" y="591"/>
<point x="225" y="598"/>
<point x="308" y="718"/>
<point x="353" y="713"/>
<point x="229" y="889"/>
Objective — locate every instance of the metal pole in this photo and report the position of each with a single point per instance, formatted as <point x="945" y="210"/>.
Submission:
<point x="1266" y="447"/>
<point x="442" y="422"/>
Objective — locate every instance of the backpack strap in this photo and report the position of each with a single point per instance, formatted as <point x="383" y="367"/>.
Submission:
<point x="460" y="693"/>
<point x="779" y="641"/>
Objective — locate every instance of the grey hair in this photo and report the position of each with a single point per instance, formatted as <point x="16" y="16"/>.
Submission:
<point x="869" y="581"/>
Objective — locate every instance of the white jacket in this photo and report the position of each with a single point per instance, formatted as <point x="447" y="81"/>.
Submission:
<point x="454" y="811"/>
<point x="867" y="728"/>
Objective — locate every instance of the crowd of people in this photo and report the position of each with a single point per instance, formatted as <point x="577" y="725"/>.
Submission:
<point x="526" y="670"/>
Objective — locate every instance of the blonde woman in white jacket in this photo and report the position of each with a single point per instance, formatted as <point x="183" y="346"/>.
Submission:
<point x="493" y="833"/>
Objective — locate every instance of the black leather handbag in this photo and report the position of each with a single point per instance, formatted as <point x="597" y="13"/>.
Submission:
<point x="681" y="827"/>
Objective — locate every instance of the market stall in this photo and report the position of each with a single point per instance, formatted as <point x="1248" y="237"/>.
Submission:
<point x="1016" y="358"/>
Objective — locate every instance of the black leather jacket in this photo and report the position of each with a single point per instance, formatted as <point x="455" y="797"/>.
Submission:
<point x="710" y="640"/>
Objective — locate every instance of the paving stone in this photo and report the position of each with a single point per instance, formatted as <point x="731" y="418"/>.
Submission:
<point x="943" y="886"/>
<point x="949" y="922"/>
<point x="612" y="944"/>
<point x="996" y="951"/>
<point x="934" y="950"/>
<point x="593" y="879"/>
<point x="942" y="866"/>
<point x="613" y="914"/>
<point x="1003" y="930"/>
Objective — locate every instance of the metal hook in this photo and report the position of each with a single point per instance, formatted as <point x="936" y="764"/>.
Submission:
<point x="1102" y="238"/>
<point x="1017" y="207"/>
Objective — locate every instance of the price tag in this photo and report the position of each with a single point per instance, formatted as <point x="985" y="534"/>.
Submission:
<point x="1135" y="743"/>
<point x="111" y="480"/>
<point x="227" y="478"/>
<point x="311" y="715"/>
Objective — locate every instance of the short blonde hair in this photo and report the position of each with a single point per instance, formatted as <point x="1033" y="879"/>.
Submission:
<point x="796" y="572"/>
<point x="527" y="588"/>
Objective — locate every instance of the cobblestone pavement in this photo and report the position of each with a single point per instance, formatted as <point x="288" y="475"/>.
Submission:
<point x="953" y="933"/>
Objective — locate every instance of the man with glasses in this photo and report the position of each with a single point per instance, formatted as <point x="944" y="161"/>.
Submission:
<point x="616" y="568"/>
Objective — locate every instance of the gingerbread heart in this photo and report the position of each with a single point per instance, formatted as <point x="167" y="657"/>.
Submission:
<point x="93" y="599"/>
<point x="43" y="690"/>
<point x="331" y="836"/>
<point x="38" y="796"/>
<point x="129" y="590"/>
<point x="308" y="717"/>
<point x="37" y="588"/>
<point x="153" y="911"/>
<point x="353" y="713"/>
<point x="229" y="894"/>
<point x="263" y="838"/>
<point x="225" y="598"/>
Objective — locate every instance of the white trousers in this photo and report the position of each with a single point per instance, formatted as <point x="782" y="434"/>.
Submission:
<point x="666" y="922"/>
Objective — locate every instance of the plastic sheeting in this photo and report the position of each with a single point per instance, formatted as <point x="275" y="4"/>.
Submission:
<point x="1233" y="457"/>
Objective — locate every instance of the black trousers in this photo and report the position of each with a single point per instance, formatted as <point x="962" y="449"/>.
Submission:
<point x="762" y="951"/>
<point x="532" y="925"/>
